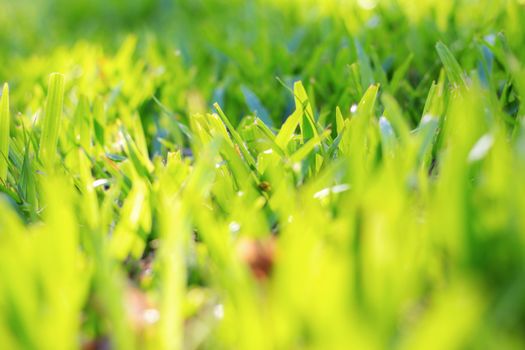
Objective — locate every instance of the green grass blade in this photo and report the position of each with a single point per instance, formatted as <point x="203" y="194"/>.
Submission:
<point x="236" y="137"/>
<point x="4" y="132"/>
<point x="302" y="152"/>
<point x="287" y="130"/>
<point x="400" y="74"/>
<point x="388" y="137"/>
<point x="51" y="122"/>
<point x="367" y="75"/>
<point x="256" y="106"/>
<point x="452" y="67"/>
<point x="307" y="122"/>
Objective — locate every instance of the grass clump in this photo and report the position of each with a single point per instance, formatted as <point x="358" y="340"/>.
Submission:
<point x="283" y="175"/>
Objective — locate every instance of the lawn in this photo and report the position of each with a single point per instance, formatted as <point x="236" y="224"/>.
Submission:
<point x="262" y="174"/>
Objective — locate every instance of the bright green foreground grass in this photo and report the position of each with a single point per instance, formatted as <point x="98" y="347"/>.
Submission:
<point x="370" y="197"/>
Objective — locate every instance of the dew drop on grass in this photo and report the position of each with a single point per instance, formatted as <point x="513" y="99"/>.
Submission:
<point x="100" y="182"/>
<point x="367" y="4"/>
<point x="218" y="311"/>
<point x="481" y="148"/>
<point x="151" y="316"/>
<point x="325" y="192"/>
<point x="234" y="227"/>
<point x="426" y="119"/>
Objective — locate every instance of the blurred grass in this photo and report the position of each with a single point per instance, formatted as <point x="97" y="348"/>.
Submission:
<point x="360" y="184"/>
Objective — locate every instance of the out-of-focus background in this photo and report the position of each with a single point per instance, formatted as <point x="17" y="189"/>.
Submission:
<point x="227" y="50"/>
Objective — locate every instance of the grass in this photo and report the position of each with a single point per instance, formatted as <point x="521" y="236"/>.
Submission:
<point x="262" y="175"/>
<point x="51" y="119"/>
<point x="4" y="130"/>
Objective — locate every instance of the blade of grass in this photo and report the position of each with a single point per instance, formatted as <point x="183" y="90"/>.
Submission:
<point x="452" y="67"/>
<point x="236" y="137"/>
<point x="302" y="152"/>
<point x="4" y="132"/>
<point x="51" y="122"/>
<point x="367" y="75"/>
<point x="302" y="102"/>
<point x="256" y="106"/>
